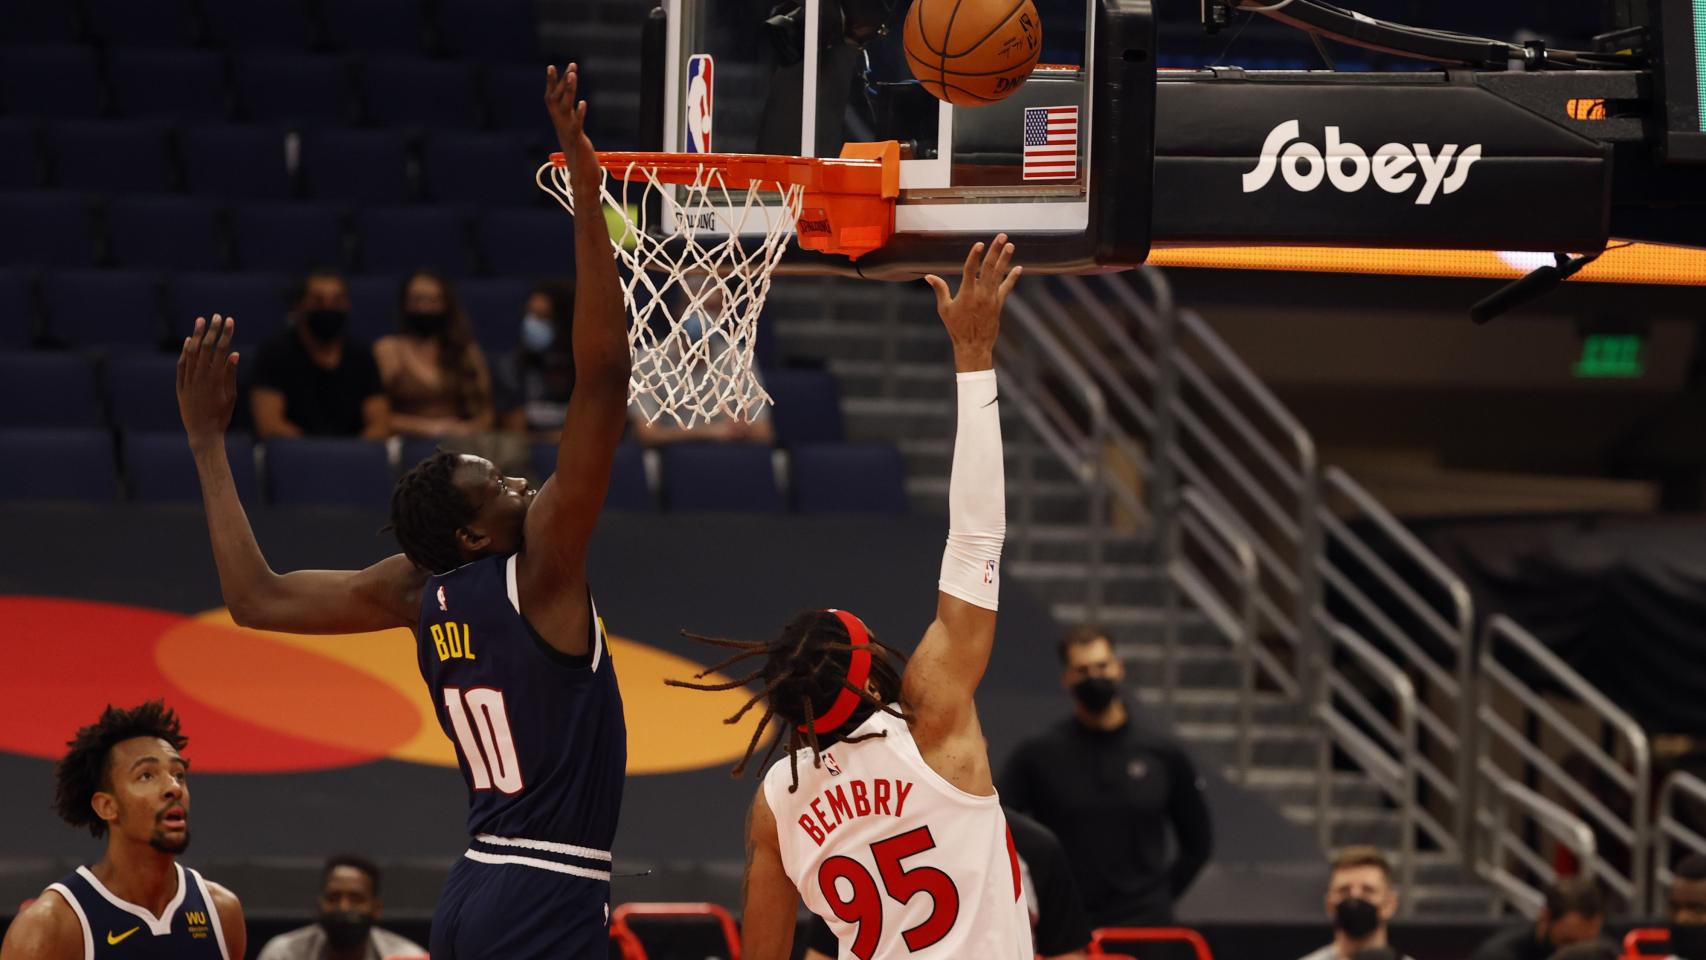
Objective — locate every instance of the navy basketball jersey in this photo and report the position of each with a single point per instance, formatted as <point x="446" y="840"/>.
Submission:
<point x="539" y="734"/>
<point x="188" y="930"/>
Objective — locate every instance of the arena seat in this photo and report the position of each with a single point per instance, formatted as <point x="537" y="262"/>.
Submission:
<point x="495" y="309"/>
<point x="377" y="26"/>
<point x="259" y="24"/>
<point x="400" y="239"/>
<point x="159" y="468"/>
<point x="103" y="308"/>
<point x="21" y="166"/>
<point x="496" y="30"/>
<point x="291" y="237"/>
<point x="328" y="471"/>
<point x="848" y="478"/>
<point x="17" y="310"/>
<point x="132" y="156"/>
<point x="628" y="944"/>
<point x="46" y="229"/>
<point x="527" y="243"/>
<point x="808" y="406"/>
<point x="628" y="487"/>
<point x="140" y="390"/>
<point x="416" y="92"/>
<point x="40" y="389"/>
<point x="1646" y="942"/>
<point x="50" y="81"/>
<point x="45" y="464"/>
<point x="236" y="162"/>
<point x="485" y="168"/>
<point x="157" y="23"/>
<point x="174" y="84"/>
<point x="718" y="477"/>
<point x="255" y="300"/>
<point x="1099" y="939"/>
<point x="287" y="88"/>
<point x="169" y="233"/>
<point x="34" y="22"/>
<point x="373" y="306"/>
<point x="356" y="166"/>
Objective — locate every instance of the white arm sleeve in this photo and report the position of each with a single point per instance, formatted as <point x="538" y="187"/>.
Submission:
<point x="977" y="496"/>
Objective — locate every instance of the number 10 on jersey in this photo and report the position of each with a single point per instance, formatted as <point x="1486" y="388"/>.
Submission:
<point x="482" y="734"/>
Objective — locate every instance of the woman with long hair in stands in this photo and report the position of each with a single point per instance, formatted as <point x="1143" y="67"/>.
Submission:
<point x="434" y="373"/>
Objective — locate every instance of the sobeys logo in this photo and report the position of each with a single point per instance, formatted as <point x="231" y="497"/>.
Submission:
<point x="1350" y="168"/>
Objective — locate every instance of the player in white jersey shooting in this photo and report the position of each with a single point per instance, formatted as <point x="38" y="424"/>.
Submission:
<point x="885" y="818"/>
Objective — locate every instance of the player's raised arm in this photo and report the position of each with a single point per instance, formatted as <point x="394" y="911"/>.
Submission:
<point x="769" y="902"/>
<point x="563" y="515"/>
<point x="306" y="601"/>
<point x="944" y="673"/>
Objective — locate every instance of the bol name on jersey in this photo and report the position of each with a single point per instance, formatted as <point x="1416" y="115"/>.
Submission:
<point x="187" y="930"/>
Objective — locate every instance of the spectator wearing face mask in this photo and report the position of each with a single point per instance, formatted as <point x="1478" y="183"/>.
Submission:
<point x="348" y="909"/>
<point x="312" y="380"/>
<point x="434" y="373"/>
<point x="535" y="382"/>
<point x="1574" y="912"/>
<point x="1360" y="901"/>
<point x="1112" y="792"/>
<point x="1688" y="909"/>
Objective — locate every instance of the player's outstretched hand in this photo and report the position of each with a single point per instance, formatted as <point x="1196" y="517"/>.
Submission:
<point x="973" y="313"/>
<point x="207" y="379"/>
<point x="568" y="115"/>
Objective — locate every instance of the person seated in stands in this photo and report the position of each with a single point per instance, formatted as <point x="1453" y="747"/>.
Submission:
<point x="1688" y="909"/>
<point x="1361" y="900"/>
<point x="533" y="385"/>
<point x="313" y="380"/>
<point x="664" y="361"/>
<point x="434" y="373"/>
<point x="1574" y="912"/>
<point x="345" y="928"/>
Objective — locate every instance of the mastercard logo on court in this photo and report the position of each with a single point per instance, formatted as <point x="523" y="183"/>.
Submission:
<point x="259" y="702"/>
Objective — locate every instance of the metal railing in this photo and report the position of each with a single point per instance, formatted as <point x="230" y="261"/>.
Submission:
<point x="1539" y="817"/>
<point x="1380" y="739"/>
<point x="1526" y="719"/>
<point x="1670" y="830"/>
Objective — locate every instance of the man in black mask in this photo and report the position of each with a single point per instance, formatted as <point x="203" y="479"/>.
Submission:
<point x="1111" y="791"/>
<point x="1574" y="912"/>
<point x="314" y="380"/>
<point x="1360" y="901"/>
<point x="349" y="906"/>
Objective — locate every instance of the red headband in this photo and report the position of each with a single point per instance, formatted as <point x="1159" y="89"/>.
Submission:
<point x="858" y="671"/>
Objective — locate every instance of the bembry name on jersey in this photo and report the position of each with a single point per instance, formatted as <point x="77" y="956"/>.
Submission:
<point x="851" y="800"/>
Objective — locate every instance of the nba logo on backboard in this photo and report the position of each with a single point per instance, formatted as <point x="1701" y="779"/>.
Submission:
<point x="699" y="103"/>
<point x="830" y="764"/>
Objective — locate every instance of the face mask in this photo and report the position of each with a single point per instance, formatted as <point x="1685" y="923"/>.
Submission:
<point x="346" y="928"/>
<point x="537" y="333"/>
<point x="1356" y="918"/>
<point x="1095" y="693"/>
<point x="326" y="325"/>
<point x="426" y="324"/>
<point x="1688" y="941"/>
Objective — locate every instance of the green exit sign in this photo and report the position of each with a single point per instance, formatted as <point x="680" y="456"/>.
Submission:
<point x="1608" y="355"/>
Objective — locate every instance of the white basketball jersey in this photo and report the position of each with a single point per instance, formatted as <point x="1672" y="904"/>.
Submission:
<point x="898" y="862"/>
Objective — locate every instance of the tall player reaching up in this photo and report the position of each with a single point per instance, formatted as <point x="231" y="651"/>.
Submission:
<point x="885" y="818"/>
<point x="493" y="581"/>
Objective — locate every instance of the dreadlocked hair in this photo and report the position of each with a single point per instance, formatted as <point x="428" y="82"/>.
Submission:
<point x="84" y="769"/>
<point x="804" y="671"/>
<point x="427" y="508"/>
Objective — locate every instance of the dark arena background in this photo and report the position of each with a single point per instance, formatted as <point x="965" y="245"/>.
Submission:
<point x="1387" y="576"/>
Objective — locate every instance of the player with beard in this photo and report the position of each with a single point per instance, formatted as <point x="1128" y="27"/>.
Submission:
<point x="124" y="778"/>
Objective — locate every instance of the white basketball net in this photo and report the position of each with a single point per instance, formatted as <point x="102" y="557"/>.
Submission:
<point x="693" y="304"/>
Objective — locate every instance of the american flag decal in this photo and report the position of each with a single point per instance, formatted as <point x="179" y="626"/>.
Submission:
<point x="1051" y="143"/>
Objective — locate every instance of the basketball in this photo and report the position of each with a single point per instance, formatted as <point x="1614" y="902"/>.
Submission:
<point x="972" y="52"/>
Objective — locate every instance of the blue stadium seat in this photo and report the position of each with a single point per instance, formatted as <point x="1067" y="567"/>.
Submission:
<point x="373" y="305"/>
<point x="356" y="166"/>
<point x="42" y="389"/>
<point x="92" y="309"/>
<point x="513" y="101"/>
<point x="35" y="22"/>
<point x="286" y="88"/>
<point x="808" y="406"/>
<point x="17" y="310"/>
<point x="50" y="81"/>
<point x="61" y="465"/>
<point x="378" y="26"/>
<point x="21" y="166"/>
<point x="141" y="391"/>
<point x="719" y="477"/>
<point x="175" y="84"/>
<point x="111" y="156"/>
<point x="236" y="162"/>
<point x="494" y="169"/>
<point x="527" y="243"/>
<point x="255" y="300"/>
<point x="414" y="92"/>
<point x="259" y="24"/>
<point x="169" y="233"/>
<point x="158" y="467"/>
<point x="628" y="488"/>
<point x="157" y="23"/>
<point x="494" y="309"/>
<point x="328" y="470"/>
<point x="292" y="237"/>
<point x="496" y="30"/>
<point x="415" y="449"/>
<point x="400" y="239"/>
<point x="46" y="229"/>
<point x="849" y="478"/>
